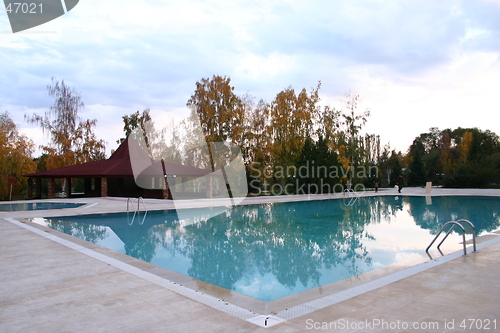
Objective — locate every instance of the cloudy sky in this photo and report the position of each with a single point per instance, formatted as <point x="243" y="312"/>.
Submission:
<point x="416" y="64"/>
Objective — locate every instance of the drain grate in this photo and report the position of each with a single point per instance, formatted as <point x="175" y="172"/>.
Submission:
<point x="265" y="321"/>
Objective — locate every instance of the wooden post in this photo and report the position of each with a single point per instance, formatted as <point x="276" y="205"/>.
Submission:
<point x="51" y="188"/>
<point x="104" y="187"/>
<point x="210" y="187"/>
<point x="166" y="190"/>
<point x="68" y="188"/>
<point x="30" y="188"/>
<point x="38" y="188"/>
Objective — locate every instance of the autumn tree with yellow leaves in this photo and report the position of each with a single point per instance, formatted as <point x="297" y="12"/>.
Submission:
<point x="220" y="112"/>
<point x="16" y="152"/>
<point x="274" y="135"/>
<point x="291" y="120"/>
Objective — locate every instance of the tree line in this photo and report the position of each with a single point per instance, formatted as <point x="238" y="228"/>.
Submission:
<point x="292" y="142"/>
<point x="462" y="157"/>
<point x="294" y="131"/>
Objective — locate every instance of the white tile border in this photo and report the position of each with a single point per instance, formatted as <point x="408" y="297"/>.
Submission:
<point x="200" y="297"/>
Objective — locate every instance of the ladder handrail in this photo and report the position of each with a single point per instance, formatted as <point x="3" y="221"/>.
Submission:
<point x="139" y="199"/>
<point x="473" y="231"/>
<point x="348" y="191"/>
<point x="351" y="202"/>
<point x="351" y="197"/>
<point x="145" y="209"/>
<point x="128" y="200"/>
<point x="143" y="204"/>
<point x="454" y="224"/>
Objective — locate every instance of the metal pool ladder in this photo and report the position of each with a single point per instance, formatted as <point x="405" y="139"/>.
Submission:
<point x="139" y="199"/>
<point x="352" y="199"/>
<point x="454" y="224"/>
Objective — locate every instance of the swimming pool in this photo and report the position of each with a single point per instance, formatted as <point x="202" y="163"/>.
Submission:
<point x="270" y="251"/>
<point x="14" y="207"/>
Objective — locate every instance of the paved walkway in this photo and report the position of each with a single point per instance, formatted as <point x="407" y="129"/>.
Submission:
<point x="48" y="287"/>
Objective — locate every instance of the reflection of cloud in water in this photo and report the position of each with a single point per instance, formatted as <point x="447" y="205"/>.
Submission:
<point x="188" y="217"/>
<point x="164" y="257"/>
<point x="261" y="285"/>
<point x="399" y="236"/>
<point x="112" y="241"/>
<point x="384" y="257"/>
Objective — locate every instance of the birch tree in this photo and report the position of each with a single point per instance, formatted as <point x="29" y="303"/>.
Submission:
<point x="72" y="139"/>
<point x="292" y="118"/>
<point x="219" y="110"/>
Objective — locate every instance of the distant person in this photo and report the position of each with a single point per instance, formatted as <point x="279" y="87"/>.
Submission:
<point x="376" y="186"/>
<point x="400" y="183"/>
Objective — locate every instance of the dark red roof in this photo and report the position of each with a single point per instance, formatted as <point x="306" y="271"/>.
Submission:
<point x="119" y="165"/>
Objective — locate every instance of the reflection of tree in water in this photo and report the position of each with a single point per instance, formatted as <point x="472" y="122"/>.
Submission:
<point x="89" y="232"/>
<point x="250" y="238"/>
<point x="140" y="240"/>
<point x="144" y="246"/>
<point x="258" y="238"/>
<point x="483" y="212"/>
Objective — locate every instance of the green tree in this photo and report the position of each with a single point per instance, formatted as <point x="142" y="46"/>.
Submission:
<point x="462" y="155"/>
<point x="417" y="175"/>
<point x="134" y="121"/>
<point x="306" y="161"/>
<point x="446" y="158"/>
<point x="475" y="158"/>
<point x="316" y="167"/>
<point x="390" y="166"/>
<point x="395" y="167"/>
<point x="483" y="144"/>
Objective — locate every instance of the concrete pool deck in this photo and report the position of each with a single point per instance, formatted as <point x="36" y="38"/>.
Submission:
<point x="49" y="287"/>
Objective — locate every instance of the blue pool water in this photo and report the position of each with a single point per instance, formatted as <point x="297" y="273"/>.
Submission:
<point x="269" y="251"/>
<point x="14" y="207"/>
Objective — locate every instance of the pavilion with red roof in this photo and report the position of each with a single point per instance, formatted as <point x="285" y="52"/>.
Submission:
<point x="115" y="177"/>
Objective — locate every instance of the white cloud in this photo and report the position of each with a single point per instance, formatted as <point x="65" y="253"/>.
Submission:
<point x="265" y="67"/>
<point x="459" y="94"/>
<point x="431" y="63"/>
